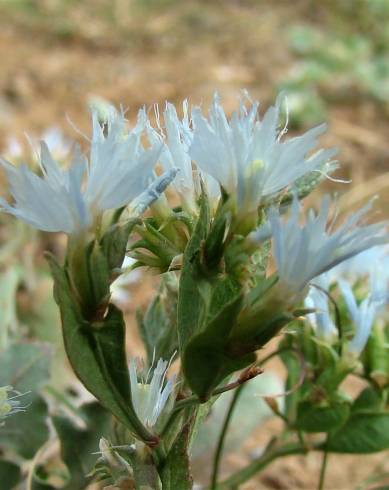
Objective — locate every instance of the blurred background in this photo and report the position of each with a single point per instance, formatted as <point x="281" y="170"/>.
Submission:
<point x="59" y="56"/>
<point x="331" y="57"/>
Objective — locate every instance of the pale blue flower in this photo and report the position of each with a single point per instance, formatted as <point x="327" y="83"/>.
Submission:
<point x="151" y="397"/>
<point x="177" y="135"/>
<point x="321" y="320"/>
<point x="247" y="156"/>
<point x="363" y="265"/>
<point x="303" y="252"/>
<point x="118" y="171"/>
<point x="362" y="316"/>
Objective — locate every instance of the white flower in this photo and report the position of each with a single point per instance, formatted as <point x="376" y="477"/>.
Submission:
<point x="321" y="320"/>
<point x="362" y="315"/>
<point x="8" y="402"/>
<point x="150" y="398"/>
<point x="177" y="136"/>
<point x="246" y="154"/>
<point x="304" y="252"/>
<point x="118" y="171"/>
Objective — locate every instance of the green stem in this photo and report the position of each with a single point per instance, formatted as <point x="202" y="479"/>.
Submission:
<point x="227" y="420"/>
<point x="223" y="433"/>
<point x="323" y="468"/>
<point x="258" y="464"/>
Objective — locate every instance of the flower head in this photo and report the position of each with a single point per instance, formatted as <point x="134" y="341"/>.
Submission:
<point x="119" y="169"/>
<point x="304" y="252"/>
<point x="247" y="156"/>
<point x="150" y="398"/>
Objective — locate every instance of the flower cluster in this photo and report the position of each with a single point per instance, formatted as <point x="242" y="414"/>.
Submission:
<point x="371" y="265"/>
<point x="304" y="252"/>
<point x="119" y="170"/>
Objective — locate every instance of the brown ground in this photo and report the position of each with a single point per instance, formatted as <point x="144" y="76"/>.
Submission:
<point x="48" y="69"/>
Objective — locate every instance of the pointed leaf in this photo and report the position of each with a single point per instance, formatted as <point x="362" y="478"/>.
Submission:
<point x="205" y="361"/>
<point x="114" y="243"/>
<point x="362" y="434"/>
<point x="158" y="326"/>
<point x="313" y="418"/>
<point x="190" y="301"/>
<point x="97" y="354"/>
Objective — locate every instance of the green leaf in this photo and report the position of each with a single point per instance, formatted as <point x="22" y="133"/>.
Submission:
<point x="9" y="475"/>
<point x="191" y="306"/>
<point x="114" y="243"/>
<point x="176" y="473"/>
<point x="293" y="368"/>
<point x="376" y="360"/>
<point x="158" y="326"/>
<point x="100" y="277"/>
<point x="96" y="351"/>
<point x="26" y="432"/>
<point x="78" y="445"/>
<point x="362" y="434"/>
<point x="314" y="418"/>
<point x="215" y="242"/>
<point x="369" y="399"/>
<point x="26" y="368"/>
<point x="208" y="306"/>
<point x="205" y="361"/>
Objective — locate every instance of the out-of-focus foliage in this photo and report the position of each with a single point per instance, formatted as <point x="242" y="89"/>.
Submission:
<point x="341" y="61"/>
